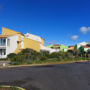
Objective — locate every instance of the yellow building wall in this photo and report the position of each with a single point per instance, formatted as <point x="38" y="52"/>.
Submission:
<point x="8" y="31"/>
<point x="42" y="41"/>
<point x="32" y="44"/>
<point x="28" y="43"/>
<point x="18" y="44"/>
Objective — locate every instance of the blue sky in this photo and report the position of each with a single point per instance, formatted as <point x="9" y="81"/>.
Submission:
<point x="61" y="21"/>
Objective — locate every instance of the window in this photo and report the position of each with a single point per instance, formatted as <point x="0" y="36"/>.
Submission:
<point x="8" y="42"/>
<point x="2" y="51"/>
<point x="2" y="41"/>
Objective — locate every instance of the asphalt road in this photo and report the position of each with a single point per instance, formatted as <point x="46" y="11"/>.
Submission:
<point x="55" y="77"/>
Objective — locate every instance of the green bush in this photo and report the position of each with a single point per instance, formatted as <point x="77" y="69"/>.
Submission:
<point x="16" y="63"/>
<point x="25" y="56"/>
<point x="3" y="59"/>
<point x="45" y="53"/>
<point x="11" y="55"/>
<point x="18" y="58"/>
<point x="30" y="56"/>
<point x="29" y="61"/>
<point x="43" y="58"/>
<point x="54" y="55"/>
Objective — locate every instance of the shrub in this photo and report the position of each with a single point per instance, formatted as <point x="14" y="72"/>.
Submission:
<point x="3" y="59"/>
<point x="45" y="53"/>
<point x="11" y="55"/>
<point x="54" y="55"/>
<point x="89" y="56"/>
<point x="25" y="56"/>
<point x="43" y="58"/>
<point x="16" y="63"/>
<point x="68" y="55"/>
<point x="18" y="58"/>
<point x="29" y="61"/>
<point x="29" y="56"/>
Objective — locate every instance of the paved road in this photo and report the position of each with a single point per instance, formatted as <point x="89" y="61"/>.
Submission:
<point x="56" y="77"/>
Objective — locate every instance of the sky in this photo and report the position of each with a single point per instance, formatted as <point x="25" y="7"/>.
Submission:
<point x="57" y="21"/>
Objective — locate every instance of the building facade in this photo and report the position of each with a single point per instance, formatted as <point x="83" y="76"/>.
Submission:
<point x="58" y="47"/>
<point x="85" y="45"/>
<point x="13" y="42"/>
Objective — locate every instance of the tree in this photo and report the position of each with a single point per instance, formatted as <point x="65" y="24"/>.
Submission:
<point x="75" y="48"/>
<point x="81" y="50"/>
<point x="76" y="51"/>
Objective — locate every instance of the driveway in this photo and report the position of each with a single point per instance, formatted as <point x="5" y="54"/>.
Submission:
<point x="75" y="76"/>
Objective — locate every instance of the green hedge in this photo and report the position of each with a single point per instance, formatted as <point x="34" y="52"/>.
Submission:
<point x="29" y="56"/>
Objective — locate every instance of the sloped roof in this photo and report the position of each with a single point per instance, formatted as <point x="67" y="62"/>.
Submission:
<point x="71" y="48"/>
<point x="85" y="46"/>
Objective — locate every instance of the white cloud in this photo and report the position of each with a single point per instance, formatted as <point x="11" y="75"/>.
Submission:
<point x="84" y="30"/>
<point x="75" y="37"/>
<point x="88" y="28"/>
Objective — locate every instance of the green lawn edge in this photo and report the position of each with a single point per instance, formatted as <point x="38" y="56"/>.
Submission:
<point x="7" y="86"/>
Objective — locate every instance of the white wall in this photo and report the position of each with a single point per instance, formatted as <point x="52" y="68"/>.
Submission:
<point x="81" y="44"/>
<point x="86" y="49"/>
<point x="13" y="44"/>
<point x="33" y="37"/>
<point x="50" y="50"/>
